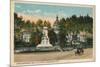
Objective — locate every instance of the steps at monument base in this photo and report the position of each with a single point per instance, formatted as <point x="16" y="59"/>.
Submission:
<point x="44" y="45"/>
<point x="45" y="49"/>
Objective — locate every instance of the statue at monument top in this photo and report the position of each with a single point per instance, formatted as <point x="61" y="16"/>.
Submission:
<point x="56" y="23"/>
<point x="45" y="31"/>
<point x="45" y="28"/>
<point x="57" y="19"/>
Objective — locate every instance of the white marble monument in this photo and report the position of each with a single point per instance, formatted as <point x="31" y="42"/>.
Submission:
<point x="45" y="39"/>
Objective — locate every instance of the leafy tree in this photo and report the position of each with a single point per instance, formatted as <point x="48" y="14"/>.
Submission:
<point x="39" y="23"/>
<point x="52" y="37"/>
<point x="47" y="24"/>
<point x="62" y="39"/>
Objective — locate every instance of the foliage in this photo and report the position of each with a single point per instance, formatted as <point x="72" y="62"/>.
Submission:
<point x="66" y="25"/>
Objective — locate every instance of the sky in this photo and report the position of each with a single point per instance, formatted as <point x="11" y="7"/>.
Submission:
<point x="51" y="10"/>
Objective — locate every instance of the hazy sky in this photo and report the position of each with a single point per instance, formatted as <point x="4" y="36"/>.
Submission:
<point x="51" y="10"/>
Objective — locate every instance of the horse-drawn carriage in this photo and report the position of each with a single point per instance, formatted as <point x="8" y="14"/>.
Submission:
<point x="79" y="51"/>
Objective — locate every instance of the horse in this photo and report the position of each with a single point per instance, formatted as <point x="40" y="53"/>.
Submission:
<point x="79" y="51"/>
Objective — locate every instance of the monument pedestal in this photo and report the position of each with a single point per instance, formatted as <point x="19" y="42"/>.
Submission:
<point x="45" y="44"/>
